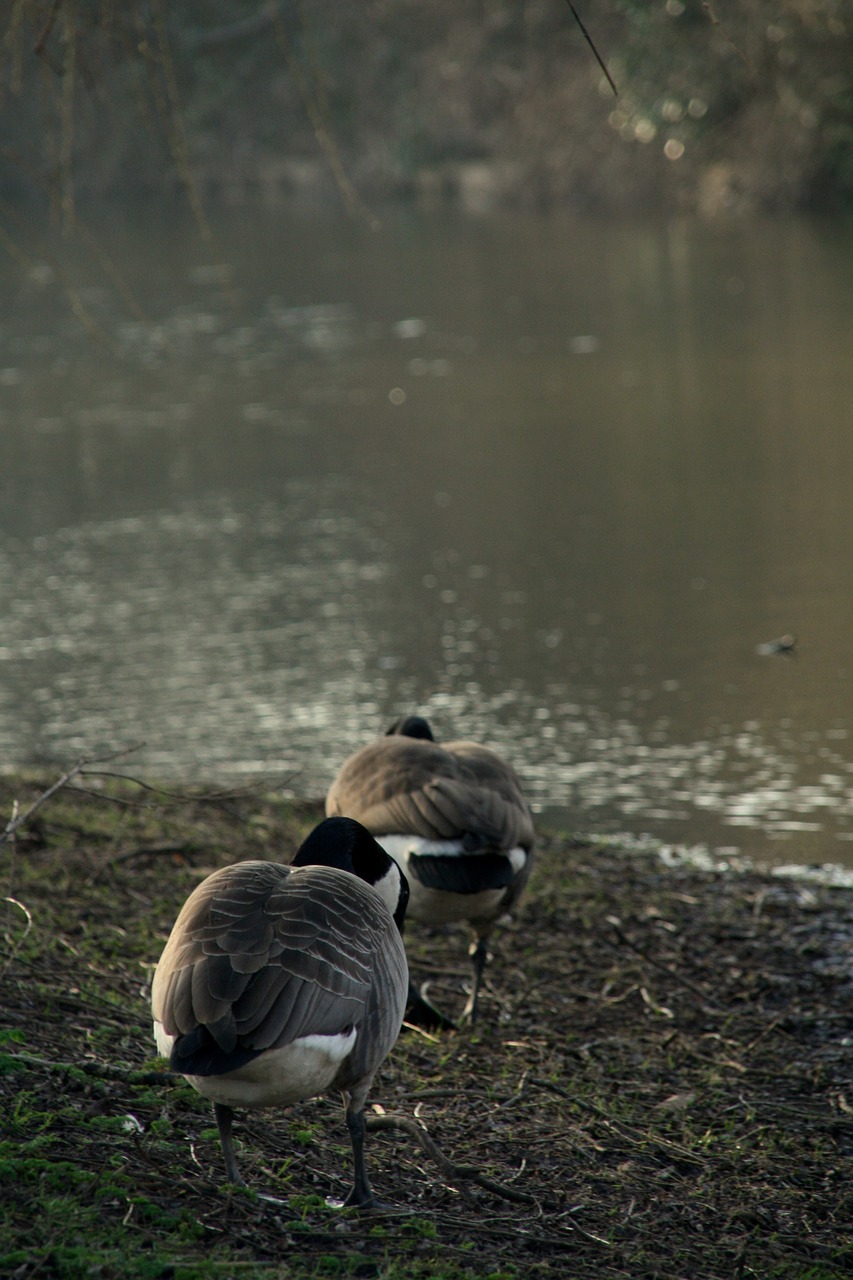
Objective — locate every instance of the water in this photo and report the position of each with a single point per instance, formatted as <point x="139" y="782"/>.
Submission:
<point x="550" y="483"/>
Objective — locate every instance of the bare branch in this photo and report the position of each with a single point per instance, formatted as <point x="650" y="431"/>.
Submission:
<point x="457" y="1174"/>
<point x="19" y="819"/>
<point x="13" y="902"/>
<point x="40" y="48"/>
<point x="100" y="1069"/>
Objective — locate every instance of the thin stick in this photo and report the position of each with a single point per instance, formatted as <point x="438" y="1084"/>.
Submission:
<point x="13" y="902"/>
<point x="99" y="1069"/>
<point x="455" y="1173"/>
<point x="229" y="793"/>
<point x="15" y="822"/>
<point x="40" y="45"/>
<point x="707" y="1004"/>
<point x="18" y="821"/>
<point x="591" y="44"/>
<point x="712" y="17"/>
<point x="147" y="850"/>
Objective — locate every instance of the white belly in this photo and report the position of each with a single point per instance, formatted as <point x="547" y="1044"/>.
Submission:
<point x="277" y="1077"/>
<point x="435" y="906"/>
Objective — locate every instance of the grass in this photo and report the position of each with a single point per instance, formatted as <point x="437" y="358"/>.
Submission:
<point x="658" y="1087"/>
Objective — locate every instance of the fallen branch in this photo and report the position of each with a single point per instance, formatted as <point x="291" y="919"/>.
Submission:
<point x="708" y="1005"/>
<point x="18" y="819"/>
<point x="218" y="796"/>
<point x="455" y="1173"/>
<point x="101" y="1070"/>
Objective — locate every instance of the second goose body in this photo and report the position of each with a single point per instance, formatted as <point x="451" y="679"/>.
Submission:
<point x="454" y="818"/>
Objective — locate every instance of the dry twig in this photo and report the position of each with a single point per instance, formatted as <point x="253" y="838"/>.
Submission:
<point x="18" y="820"/>
<point x="455" y="1173"/>
<point x="101" y="1070"/>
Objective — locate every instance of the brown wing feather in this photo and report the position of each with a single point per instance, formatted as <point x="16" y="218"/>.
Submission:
<point x="410" y="786"/>
<point x="262" y="954"/>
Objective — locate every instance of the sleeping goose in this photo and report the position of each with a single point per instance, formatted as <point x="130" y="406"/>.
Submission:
<point x="454" y="819"/>
<point x="279" y="983"/>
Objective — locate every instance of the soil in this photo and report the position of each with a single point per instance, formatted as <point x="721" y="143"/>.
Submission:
<point x="658" y="1086"/>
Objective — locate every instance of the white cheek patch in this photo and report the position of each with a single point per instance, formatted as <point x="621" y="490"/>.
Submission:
<point x="388" y="887"/>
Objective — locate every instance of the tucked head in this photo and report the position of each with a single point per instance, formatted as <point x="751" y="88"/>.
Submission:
<point x="411" y="727"/>
<point x="347" y="845"/>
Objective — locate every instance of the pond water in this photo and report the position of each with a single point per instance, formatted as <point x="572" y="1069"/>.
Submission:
<point x="550" y="483"/>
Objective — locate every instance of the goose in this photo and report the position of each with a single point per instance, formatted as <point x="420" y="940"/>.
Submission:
<point x="454" y="819"/>
<point x="279" y="983"/>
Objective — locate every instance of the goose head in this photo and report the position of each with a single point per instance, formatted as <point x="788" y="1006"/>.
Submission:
<point x="411" y="727"/>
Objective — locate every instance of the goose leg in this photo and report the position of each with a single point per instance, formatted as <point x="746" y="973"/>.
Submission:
<point x="479" y="954"/>
<point x="224" y="1119"/>
<point x="361" y="1196"/>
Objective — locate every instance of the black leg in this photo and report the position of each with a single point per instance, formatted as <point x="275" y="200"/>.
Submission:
<point x="361" y="1196"/>
<point x="224" y="1118"/>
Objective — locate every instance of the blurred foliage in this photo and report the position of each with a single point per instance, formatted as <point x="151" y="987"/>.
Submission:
<point x="778" y="73"/>
<point x="753" y="99"/>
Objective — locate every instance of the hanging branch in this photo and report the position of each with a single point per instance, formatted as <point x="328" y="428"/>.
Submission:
<point x="40" y="48"/>
<point x="591" y="44"/>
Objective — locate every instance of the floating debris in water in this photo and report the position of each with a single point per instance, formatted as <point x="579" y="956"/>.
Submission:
<point x="784" y="645"/>
<point x="413" y="327"/>
<point x="584" y="344"/>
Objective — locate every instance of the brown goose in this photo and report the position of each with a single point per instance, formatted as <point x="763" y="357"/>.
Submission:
<point x="278" y="983"/>
<point x="454" y="819"/>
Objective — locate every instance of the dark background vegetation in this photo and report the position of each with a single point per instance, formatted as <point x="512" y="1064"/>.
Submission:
<point x="723" y="107"/>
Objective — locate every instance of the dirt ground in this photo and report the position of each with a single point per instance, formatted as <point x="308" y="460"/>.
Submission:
<point x="660" y="1084"/>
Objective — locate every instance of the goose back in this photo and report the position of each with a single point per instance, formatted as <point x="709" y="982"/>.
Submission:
<point x="264" y="955"/>
<point x="412" y="786"/>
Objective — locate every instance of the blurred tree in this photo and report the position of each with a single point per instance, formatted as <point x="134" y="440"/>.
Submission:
<point x="723" y="105"/>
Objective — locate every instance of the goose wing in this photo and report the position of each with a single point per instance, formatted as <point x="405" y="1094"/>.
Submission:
<point x="263" y="954"/>
<point x="412" y="787"/>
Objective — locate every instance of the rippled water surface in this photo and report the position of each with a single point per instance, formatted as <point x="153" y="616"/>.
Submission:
<point x="551" y="484"/>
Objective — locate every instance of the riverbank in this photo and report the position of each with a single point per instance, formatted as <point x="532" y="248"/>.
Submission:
<point x="660" y="1083"/>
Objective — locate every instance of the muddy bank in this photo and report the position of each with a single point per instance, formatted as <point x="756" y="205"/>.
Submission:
<point x="659" y="1084"/>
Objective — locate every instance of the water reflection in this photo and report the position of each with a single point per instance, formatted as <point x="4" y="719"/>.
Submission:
<point x="551" y="484"/>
